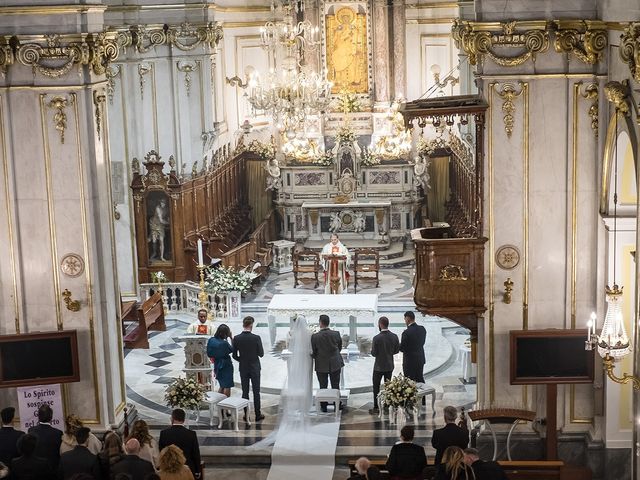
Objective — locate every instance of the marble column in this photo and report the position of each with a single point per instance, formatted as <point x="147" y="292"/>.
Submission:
<point x="399" y="50"/>
<point x="380" y="51"/>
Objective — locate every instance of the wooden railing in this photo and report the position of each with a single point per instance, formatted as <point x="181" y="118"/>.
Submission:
<point x="255" y="250"/>
<point x="462" y="202"/>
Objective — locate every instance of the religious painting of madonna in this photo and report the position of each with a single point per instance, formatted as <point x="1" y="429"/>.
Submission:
<point x="158" y="228"/>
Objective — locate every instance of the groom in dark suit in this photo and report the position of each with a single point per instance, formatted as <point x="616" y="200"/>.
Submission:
<point x="412" y="348"/>
<point x="383" y="347"/>
<point x="247" y="350"/>
<point x="325" y="349"/>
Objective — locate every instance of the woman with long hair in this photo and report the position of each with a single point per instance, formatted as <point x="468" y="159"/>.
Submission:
<point x="71" y="425"/>
<point x="219" y="349"/>
<point x="453" y="466"/>
<point x="148" y="445"/>
<point x="112" y="452"/>
<point x="172" y="464"/>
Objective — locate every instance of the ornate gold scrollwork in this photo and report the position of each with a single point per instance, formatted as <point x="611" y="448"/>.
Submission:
<point x="73" y="305"/>
<point x="143" y="69"/>
<point x="508" y="94"/>
<point x="184" y="37"/>
<point x="59" y="104"/>
<point x="452" y="272"/>
<point x="187" y="68"/>
<point x="98" y="101"/>
<point x="112" y="73"/>
<point x="630" y="49"/>
<point x="586" y="39"/>
<point x="6" y="55"/>
<point x="617" y="93"/>
<point x="591" y="93"/>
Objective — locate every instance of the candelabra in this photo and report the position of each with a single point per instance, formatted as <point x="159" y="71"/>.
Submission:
<point x="202" y="295"/>
<point x="435" y="70"/>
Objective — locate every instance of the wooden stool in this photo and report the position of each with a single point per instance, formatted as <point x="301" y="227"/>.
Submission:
<point x="424" y="390"/>
<point x="233" y="405"/>
<point x="213" y="398"/>
<point x="329" y="395"/>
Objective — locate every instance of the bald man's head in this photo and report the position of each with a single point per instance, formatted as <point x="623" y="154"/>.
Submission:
<point x="132" y="447"/>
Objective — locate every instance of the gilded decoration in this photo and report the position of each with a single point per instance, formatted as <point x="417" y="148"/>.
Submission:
<point x="185" y="37"/>
<point x="586" y="39"/>
<point x="98" y="103"/>
<point x="508" y="257"/>
<point x="591" y="93"/>
<point x="617" y="93"/>
<point x="452" y="272"/>
<point x="508" y="94"/>
<point x="346" y="47"/>
<point x="59" y="104"/>
<point x="187" y="68"/>
<point x="630" y="49"/>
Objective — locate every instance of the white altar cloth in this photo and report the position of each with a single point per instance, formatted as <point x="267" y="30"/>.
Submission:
<point x="360" y="308"/>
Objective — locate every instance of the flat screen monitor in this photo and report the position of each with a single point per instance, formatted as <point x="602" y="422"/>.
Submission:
<point x="39" y="358"/>
<point x="550" y="356"/>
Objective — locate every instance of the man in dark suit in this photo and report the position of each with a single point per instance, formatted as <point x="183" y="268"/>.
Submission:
<point x="8" y="436"/>
<point x="131" y="463"/>
<point x="412" y="348"/>
<point x="383" y="347"/>
<point x="28" y="465"/>
<point x="247" y="350"/>
<point x="80" y="459"/>
<point x="483" y="470"/>
<point x="449" y="435"/>
<point x="325" y="347"/>
<point x="180" y="436"/>
<point x="49" y="438"/>
<point x="406" y="459"/>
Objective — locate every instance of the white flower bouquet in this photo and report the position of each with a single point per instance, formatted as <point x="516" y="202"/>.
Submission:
<point x="184" y="393"/>
<point x="401" y="392"/>
<point x="265" y="150"/>
<point x="158" y="277"/>
<point x="345" y="135"/>
<point x="227" y="279"/>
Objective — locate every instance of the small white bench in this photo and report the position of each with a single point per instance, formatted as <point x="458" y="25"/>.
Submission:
<point x="424" y="390"/>
<point x="234" y="405"/>
<point x="213" y="398"/>
<point x="329" y="395"/>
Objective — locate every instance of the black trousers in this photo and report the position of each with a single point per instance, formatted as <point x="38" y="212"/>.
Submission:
<point x="251" y="374"/>
<point x="414" y="371"/>
<point x="377" y="377"/>
<point x="323" y="381"/>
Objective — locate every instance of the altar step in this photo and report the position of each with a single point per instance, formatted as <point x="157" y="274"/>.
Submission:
<point x="393" y="255"/>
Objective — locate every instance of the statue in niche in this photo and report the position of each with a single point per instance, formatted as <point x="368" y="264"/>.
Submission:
<point x="274" y="180"/>
<point x="159" y="227"/>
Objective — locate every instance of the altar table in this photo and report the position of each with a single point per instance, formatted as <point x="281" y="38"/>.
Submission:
<point x="361" y="309"/>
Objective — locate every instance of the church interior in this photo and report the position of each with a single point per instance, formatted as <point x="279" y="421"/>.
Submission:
<point x="475" y="158"/>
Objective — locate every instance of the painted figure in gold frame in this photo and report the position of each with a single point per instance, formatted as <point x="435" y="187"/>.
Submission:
<point x="347" y="51"/>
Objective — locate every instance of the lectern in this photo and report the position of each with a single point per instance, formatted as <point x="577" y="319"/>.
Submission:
<point x="333" y="271"/>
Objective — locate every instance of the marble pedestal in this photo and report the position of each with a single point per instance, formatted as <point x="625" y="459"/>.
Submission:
<point x="282" y="256"/>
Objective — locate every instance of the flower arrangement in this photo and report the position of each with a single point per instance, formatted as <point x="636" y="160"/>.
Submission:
<point x="226" y="279"/>
<point x="184" y="393"/>
<point x="368" y="160"/>
<point x="348" y="102"/>
<point x="265" y="150"/>
<point x="346" y="135"/>
<point x="324" y="159"/>
<point x="401" y="392"/>
<point x="158" y="277"/>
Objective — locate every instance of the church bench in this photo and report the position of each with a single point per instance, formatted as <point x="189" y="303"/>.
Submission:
<point x="128" y="312"/>
<point x="150" y="317"/>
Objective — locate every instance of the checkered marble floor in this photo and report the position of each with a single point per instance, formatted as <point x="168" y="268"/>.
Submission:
<point x="149" y="371"/>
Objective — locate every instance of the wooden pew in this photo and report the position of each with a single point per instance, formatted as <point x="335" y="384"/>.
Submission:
<point x="128" y="312"/>
<point x="150" y="317"/>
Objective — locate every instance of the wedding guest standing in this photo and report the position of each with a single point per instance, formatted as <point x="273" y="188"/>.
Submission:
<point x="148" y="447"/>
<point x="325" y="347"/>
<point x="183" y="438"/>
<point x="219" y="350"/>
<point x="449" y="435"/>
<point x="383" y="347"/>
<point x="412" y="348"/>
<point x="8" y="436"/>
<point x="247" y="350"/>
<point x="49" y="438"/>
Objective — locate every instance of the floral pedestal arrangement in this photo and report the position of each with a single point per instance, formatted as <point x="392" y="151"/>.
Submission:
<point x="400" y="395"/>
<point x="231" y="283"/>
<point x="185" y="393"/>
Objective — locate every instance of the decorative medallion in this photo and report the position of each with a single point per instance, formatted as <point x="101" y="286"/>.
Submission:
<point x="508" y="257"/>
<point x="72" y="265"/>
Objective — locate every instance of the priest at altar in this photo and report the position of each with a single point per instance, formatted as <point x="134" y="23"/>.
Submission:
<point x="202" y="326"/>
<point x="336" y="260"/>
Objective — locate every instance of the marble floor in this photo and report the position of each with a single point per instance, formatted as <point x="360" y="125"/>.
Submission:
<point x="149" y="371"/>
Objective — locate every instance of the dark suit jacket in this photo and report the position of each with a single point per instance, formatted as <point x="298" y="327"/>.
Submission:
<point x="134" y="466"/>
<point x="48" y="446"/>
<point x="384" y="346"/>
<point x="31" y="468"/>
<point x="186" y="440"/>
<point x="8" y="444"/>
<point x="406" y="460"/>
<point x="326" y="345"/>
<point x="488" y="471"/>
<point x="412" y="344"/>
<point x="247" y="350"/>
<point x="447" y="436"/>
<point x="442" y="474"/>
<point x="78" y="460"/>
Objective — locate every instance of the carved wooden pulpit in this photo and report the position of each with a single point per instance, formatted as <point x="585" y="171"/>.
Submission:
<point x="333" y="272"/>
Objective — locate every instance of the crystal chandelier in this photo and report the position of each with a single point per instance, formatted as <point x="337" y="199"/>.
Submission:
<point x="290" y="91"/>
<point x="395" y="142"/>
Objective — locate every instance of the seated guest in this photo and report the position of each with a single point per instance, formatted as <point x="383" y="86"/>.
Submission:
<point x="202" y="326"/>
<point x="49" y="438"/>
<point x="185" y="439"/>
<point x="449" y="435"/>
<point x="71" y="425"/>
<point x="148" y="446"/>
<point x="132" y="464"/>
<point x="172" y="465"/>
<point x="219" y="350"/>
<point x="28" y="466"/>
<point x="80" y="459"/>
<point x="483" y="470"/>
<point x="111" y="453"/>
<point x="453" y="466"/>
<point x="365" y="470"/>
<point x="8" y="436"/>
<point x="406" y="459"/>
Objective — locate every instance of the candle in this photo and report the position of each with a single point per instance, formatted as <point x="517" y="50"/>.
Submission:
<point x="593" y="322"/>
<point x="200" y="259"/>
<point x="589" y="327"/>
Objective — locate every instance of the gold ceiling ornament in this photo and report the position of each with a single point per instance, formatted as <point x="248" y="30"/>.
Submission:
<point x="478" y="39"/>
<point x="184" y="37"/>
<point x="55" y="55"/>
<point x="586" y="39"/>
<point x="591" y="93"/>
<point x="59" y="104"/>
<point x="508" y="94"/>
<point x="617" y="93"/>
<point x="630" y="49"/>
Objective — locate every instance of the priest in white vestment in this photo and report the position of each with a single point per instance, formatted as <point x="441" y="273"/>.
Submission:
<point x="202" y="326"/>
<point x="335" y="268"/>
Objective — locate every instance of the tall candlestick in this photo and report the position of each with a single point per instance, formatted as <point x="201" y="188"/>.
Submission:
<point x="200" y="259"/>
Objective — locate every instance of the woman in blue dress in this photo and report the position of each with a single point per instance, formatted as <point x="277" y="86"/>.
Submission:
<point x="219" y="350"/>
